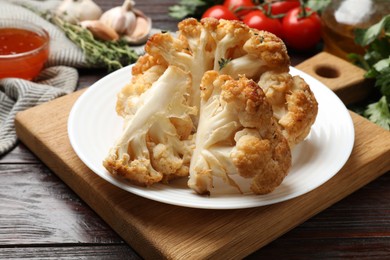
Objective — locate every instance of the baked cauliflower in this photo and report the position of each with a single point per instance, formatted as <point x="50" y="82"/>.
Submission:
<point x="155" y="144"/>
<point x="237" y="137"/>
<point x="216" y="104"/>
<point x="293" y="103"/>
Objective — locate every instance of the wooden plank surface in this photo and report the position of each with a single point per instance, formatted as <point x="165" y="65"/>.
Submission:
<point x="344" y="78"/>
<point x="356" y="227"/>
<point x="158" y="230"/>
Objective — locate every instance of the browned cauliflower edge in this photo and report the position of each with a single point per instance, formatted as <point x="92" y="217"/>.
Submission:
<point x="237" y="135"/>
<point x="165" y="105"/>
<point x="293" y="103"/>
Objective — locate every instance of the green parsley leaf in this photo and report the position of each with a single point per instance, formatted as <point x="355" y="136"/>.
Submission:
<point x="383" y="81"/>
<point x="376" y="62"/>
<point x="318" y="5"/>
<point x="223" y="62"/>
<point x="364" y="37"/>
<point x="379" y="113"/>
<point x="191" y="8"/>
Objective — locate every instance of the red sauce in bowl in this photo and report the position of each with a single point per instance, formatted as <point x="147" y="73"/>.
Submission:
<point x="23" y="51"/>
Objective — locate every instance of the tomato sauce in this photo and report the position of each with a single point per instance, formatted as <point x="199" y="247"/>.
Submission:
<point x="27" y="52"/>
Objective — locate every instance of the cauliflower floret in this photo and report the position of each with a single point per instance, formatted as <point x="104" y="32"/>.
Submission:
<point x="293" y="103"/>
<point x="150" y="149"/>
<point x="145" y="72"/>
<point x="240" y="132"/>
<point x="237" y="135"/>
<point x="230" y="47"/>
<point x="263" y="51"/>
<point x="192" y="54"/>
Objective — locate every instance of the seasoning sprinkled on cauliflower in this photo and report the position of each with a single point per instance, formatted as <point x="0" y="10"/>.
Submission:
<point x="293" y="103"/>
<point x="193" y="108"/>
<point x="237" y="135"/>
<point x="221" y="45"/>
<point x="151" y="148"/>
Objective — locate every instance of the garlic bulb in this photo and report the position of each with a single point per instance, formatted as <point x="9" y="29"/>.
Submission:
<point x="130" y="23"/>
<point x="74" y="11"/>
<point x="142" y="29"/>
<point x="99" y="30"/>
<point x="120" y="18"/>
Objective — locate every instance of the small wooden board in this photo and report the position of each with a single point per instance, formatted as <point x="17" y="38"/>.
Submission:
<point x="160" y="230"/>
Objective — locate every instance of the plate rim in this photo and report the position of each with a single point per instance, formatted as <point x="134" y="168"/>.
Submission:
<point x="148" y="192"/>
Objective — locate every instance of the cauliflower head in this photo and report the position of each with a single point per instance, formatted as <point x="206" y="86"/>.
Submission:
<point x="194" y="108"/>
<point x="237" y="137"/>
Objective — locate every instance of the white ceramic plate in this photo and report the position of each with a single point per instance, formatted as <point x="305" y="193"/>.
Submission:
<point x="93" y="126"/>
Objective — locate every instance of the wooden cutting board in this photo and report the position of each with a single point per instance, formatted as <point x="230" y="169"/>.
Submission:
<point x="155" y="229"/>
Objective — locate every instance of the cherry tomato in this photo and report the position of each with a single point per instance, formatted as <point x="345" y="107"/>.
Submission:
<point x="233" y="5"/>
<point x="258" y="20"/>
<point x="284" y="6"/>
<point x="301" y="33"/>
<point x="219" y="12"/>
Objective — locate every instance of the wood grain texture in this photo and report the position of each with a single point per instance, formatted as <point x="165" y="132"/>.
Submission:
<point x="27" y="189"/>
<point x="356" y="227"/>
<point x="157" y="230"/>
<point x="70" y="251"/>
<point x="344" y="78"/>
<point x="19" y="155"/>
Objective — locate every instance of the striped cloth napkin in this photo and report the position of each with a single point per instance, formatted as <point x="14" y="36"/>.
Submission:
<point x="59" y="77"/>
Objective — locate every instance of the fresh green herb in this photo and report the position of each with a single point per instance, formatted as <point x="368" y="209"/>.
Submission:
<point x="191" y="8"/>
<point x="317" y="5"/>
<point x="367" y="36"/>
<point x="261" y="38"/>
<point x="223" y="62"/>
<point x="376" y="60"/>
<point x="195" y="8"/>
<point x="379" y="113"/>
<point x="110" y="54"/>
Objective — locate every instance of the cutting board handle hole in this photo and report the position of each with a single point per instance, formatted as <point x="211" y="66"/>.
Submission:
<point x="327" y="71"/>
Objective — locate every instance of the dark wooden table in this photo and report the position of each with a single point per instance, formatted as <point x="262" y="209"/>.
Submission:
<point x="41" y="217"/>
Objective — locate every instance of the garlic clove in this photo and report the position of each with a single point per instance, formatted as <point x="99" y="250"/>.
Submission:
<point x="141" y="32"/>
<point x="100" y="30"/>
<point x="74" y="11"/>
<point x="143" y="26"/>
<point x="120" y="18"/>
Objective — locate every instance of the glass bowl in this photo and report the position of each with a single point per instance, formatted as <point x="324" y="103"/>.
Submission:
<point x="24" y="49"/>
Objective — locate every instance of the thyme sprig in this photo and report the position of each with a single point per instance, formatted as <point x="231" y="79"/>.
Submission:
<point x="110" y="54"/>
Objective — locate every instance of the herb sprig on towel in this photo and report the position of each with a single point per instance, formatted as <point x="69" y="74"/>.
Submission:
<point x="111" y="54"/>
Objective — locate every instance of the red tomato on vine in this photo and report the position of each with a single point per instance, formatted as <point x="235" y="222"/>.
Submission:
<point x="301" y="32"/>
<point x="258" y="20"/>
<point x="220" y="12"/>
<point x="283" y="7"/>
<point x="239" y="7"/>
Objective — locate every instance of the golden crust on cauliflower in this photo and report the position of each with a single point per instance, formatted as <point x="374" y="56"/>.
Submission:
<point x="193" y="108"/>
<point x="153" y="147"/>
<point x="294" y="104"/>
<point x="145" y="72"/>
<point x="237" y="135"/>
<point x="137" y="173"/>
